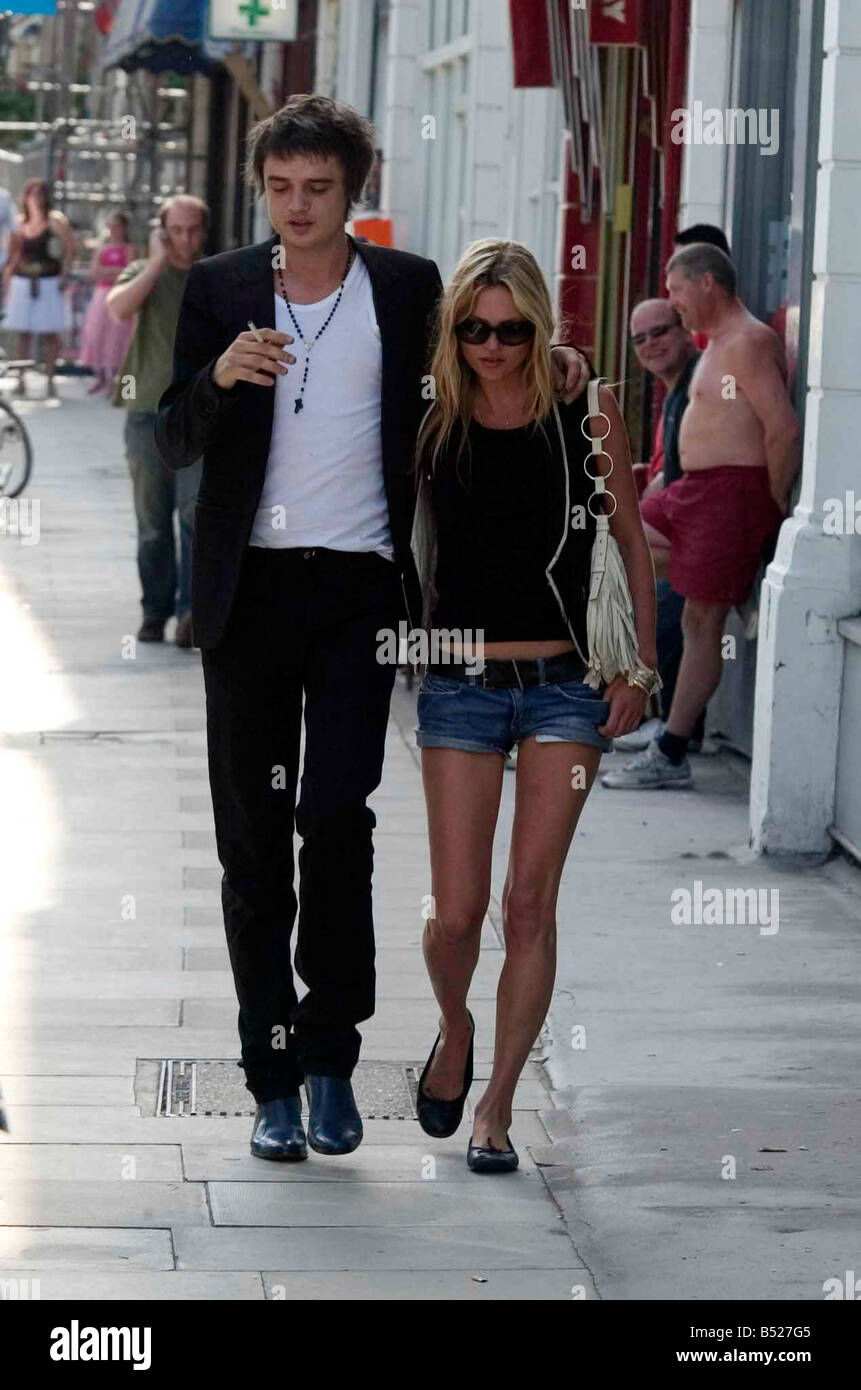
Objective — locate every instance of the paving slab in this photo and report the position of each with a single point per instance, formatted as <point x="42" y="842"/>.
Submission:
<point x="370" y="1163"/>
<point x="55" y="1014"/>
<point x="46" y="1163"/>
<point x="406" y="1285"/>
<point x="130" y="1202"/>
<point x="382" y="1204"/>
<point x="140" y="1286"/>
<point x="40" y="1249"/>
<point x="478" y="1248"/>
<point x="68" y="1090"/>
<point x="106" y="1125"/>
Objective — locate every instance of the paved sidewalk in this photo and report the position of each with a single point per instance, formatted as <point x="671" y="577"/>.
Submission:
<point x="113" y="955"/>
<point x="700" y="1141"/>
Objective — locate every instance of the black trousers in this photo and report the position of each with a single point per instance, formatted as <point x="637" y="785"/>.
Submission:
<point x="303" y="622"/>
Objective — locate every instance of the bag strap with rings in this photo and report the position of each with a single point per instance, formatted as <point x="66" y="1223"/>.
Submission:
<point x="600" y="517"/>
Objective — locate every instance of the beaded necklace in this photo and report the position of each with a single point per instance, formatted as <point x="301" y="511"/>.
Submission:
<point x="299" y="403"/>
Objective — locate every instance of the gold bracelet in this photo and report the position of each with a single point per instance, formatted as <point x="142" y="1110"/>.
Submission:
<point x="645" y="678"/>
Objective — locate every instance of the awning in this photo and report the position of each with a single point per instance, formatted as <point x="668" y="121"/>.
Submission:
<point x="162" y="36"/>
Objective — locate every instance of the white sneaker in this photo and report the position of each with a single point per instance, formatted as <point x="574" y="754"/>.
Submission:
<point x="651" y="768"/>
<point x="640" y="738"/>
<point x="706" y="749"/>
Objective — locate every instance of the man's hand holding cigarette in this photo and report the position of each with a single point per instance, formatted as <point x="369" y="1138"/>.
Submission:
<point x="258" y="355"/>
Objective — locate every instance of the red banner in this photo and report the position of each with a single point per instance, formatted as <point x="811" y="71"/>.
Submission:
<point x="530" y="42"/>
<point x="616" y="23"/>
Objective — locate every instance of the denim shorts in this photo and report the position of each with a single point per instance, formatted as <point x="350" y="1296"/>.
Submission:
<point x="458" y="714"/>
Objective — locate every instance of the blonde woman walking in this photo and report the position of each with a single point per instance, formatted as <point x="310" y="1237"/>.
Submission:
<point x="503" y="539"/>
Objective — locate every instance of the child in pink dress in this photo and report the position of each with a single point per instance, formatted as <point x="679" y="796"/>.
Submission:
<point x="103" y="340"/>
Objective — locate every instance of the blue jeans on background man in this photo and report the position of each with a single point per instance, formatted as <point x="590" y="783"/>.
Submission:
<point x="158" y="493"/>
<point x="670" y="643"/>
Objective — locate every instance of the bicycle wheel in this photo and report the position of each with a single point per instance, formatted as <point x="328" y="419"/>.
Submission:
<point x="16" y="452"/>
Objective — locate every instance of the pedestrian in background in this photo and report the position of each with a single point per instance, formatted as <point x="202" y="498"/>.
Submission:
<point x="665" y="349"/>
<point x="739" y="452"/>
<point x="34" y="277"/>
<point x="153" y="290"/>
<point x="701" y="234"/>
<point x="104" y="340"/>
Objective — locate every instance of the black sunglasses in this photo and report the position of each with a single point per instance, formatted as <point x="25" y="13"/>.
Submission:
<point x="511" y="332"/>
<point x="659" y="332"/>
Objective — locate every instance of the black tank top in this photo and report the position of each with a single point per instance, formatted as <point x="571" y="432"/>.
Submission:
<point x="35" y="253"/>
<point x="497" y="517"/>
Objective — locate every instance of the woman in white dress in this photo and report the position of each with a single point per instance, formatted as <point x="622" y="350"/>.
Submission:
<point x="34" y="277"/>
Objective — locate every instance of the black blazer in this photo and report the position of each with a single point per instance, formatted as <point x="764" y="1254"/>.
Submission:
<point x="232" y="429"/>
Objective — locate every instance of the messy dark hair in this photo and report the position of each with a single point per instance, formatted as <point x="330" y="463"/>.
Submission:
<point x="703" y="231"/>
<point x="314" y="126"/>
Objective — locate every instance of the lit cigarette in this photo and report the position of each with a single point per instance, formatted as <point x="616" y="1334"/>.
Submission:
<point x="256" y="331"/>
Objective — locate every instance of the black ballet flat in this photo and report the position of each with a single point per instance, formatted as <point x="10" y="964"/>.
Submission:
<point x="491" y="1160"/>
<point x="440" y="1118"/>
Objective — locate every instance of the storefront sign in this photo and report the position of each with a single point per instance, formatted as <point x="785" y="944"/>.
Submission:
<point x="29" y="7"/>
<point x="253" y="20"/>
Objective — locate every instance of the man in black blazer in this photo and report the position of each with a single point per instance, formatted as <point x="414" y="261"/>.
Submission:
<point x="301" y="555"/>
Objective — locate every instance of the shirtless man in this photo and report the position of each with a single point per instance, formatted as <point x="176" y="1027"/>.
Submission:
<point x="740" y="446"/>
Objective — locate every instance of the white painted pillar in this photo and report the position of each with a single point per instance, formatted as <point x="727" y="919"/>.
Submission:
<point x="400" y="125"/>
<point x="703" y="182"/>
<point x="326" y="48"/>
<point x="355" y="55"/>
<point x="815" y="579"/>
<point x="491" y="94"/>
<point x="271" y="60"/>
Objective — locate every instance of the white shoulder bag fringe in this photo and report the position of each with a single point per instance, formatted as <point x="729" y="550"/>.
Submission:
<point x="610" y="628"/>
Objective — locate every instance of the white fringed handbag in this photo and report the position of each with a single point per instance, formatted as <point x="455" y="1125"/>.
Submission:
<point x="610" y="628"/>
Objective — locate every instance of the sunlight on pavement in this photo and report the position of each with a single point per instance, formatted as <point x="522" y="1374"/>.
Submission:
<point x="29" y="840"/>
<point x="31" y="699"/>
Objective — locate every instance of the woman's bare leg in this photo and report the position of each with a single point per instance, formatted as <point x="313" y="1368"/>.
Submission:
<point x="462" y="791"/>
<point x="547" y="809"/>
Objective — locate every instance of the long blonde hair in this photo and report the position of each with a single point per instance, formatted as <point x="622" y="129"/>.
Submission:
<point x="485" y="263"/>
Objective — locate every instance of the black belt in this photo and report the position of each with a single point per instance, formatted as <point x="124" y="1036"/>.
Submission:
<point x="500" y="674"/>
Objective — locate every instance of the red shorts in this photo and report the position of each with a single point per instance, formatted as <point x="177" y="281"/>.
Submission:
<point x="717" y="521"/>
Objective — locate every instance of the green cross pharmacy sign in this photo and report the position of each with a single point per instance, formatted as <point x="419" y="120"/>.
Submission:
<point x="249" y="20"/>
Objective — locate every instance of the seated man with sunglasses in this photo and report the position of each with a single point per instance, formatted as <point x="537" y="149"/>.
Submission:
<point x="666" y="350"/>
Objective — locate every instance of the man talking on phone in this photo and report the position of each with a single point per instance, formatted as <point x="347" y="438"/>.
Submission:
<point x="153" y="290"/>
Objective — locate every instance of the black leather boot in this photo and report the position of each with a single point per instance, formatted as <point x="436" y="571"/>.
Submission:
<point x="334" y="1123"/>
<point x="278" y="1132"/>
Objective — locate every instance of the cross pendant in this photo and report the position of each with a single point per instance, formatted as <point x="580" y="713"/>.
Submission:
<point x="298" y="405"/>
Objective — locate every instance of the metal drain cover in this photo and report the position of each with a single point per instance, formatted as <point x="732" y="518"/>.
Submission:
<point x="173" y="1087"/>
